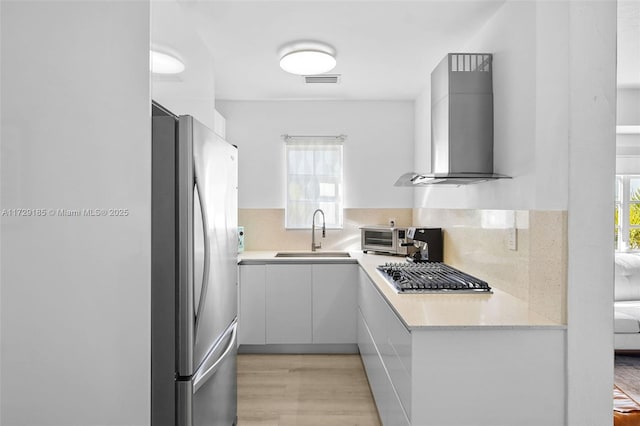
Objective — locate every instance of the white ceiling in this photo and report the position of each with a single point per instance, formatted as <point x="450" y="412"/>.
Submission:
<point x="385" y="49"/>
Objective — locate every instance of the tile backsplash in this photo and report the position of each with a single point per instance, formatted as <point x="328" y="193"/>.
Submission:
<point x="475" y="241"/>
<point x="264" y="229"/>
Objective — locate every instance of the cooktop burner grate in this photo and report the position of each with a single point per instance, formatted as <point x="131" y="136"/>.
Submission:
<point x="430" y="277"/>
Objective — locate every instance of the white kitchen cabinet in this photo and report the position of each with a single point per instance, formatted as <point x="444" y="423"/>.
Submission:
<point x="335" y="294"/>
<point x="251" y="313"/>
<point x="387" y="401"/>
<point x="288" y="304"/>
<point x="488" y="377"/>
<point x="447" y="376"/>
<point x="392" y="343"/>
<point x="298" y="303"/>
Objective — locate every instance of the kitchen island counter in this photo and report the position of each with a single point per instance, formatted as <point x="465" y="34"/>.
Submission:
<point x="498" y="309"/>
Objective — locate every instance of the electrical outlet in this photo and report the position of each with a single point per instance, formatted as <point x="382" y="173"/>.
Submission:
<point x="512" y="239"/>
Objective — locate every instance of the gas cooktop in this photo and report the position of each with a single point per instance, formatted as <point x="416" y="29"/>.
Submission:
<point x="430" y="277"/>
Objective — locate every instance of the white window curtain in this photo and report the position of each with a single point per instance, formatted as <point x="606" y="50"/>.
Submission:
<point x="314" y="180"/>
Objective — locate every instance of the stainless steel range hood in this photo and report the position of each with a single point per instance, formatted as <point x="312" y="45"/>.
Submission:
<point x="461" y="123"/>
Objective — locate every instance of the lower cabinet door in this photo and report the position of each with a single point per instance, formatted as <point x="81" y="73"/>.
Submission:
<point x="335" y="302"/>
<point x="251" y="328"/>
<point x="288" y="304"/>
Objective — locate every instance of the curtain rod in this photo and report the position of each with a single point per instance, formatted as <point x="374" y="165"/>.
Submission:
<point x="287" y="137"/>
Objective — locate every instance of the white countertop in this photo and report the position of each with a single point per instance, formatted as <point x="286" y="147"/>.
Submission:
<point x="259" y="257"/>
<point x="499" y="309"/>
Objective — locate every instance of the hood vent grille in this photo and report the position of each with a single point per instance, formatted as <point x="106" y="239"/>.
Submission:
<point x="322" y="79"/>
<point x="465" y="62"/>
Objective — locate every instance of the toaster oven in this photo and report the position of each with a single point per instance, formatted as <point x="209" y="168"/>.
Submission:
<point x="384" y="239"/>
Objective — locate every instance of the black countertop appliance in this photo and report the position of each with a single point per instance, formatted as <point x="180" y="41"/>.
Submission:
<point x="429" y="242"/>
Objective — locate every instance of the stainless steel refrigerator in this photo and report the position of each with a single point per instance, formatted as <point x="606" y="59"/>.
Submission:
<point x="194" y="274"/>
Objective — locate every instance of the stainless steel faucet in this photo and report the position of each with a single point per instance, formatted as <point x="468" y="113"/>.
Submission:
<point x="313" y="230"/>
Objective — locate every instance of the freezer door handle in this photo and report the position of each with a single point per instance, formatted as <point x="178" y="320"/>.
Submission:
<point x="201" y="377"/>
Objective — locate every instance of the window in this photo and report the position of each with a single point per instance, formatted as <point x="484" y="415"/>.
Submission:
<point x="627" y="213"/>
<point x="314" y="180"/>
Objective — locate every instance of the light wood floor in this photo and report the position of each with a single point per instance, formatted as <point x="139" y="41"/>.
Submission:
<point x="304" y="390"/>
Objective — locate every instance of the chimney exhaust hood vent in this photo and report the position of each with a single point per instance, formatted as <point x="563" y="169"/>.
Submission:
<point x="461" y="123"/>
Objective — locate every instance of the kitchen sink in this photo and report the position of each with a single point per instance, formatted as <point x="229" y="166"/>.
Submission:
<point x="313" y="254"/>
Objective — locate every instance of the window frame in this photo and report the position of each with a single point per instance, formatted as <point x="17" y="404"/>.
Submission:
<point x="623" y="203"/>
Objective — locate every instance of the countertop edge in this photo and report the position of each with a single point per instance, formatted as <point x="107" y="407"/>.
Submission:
<point x="296" y="261"/>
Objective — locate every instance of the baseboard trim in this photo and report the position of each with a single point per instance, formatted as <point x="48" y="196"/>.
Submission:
<point x="338" y="348"/>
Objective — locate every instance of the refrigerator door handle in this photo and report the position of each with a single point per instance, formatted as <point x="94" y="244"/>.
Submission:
<point x="207" y="255"/>
<point x="202" y="377"/>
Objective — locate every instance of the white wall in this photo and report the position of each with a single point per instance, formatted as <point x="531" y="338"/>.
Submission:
<point x="628" y="103"/>
<point x="529" y="123"/>
<point x="591" y="143"/>
<point x="629" y="163"/>
<point x="75" y="290"/>
<point x="628" y="145"/>
<point x="191" y="92"/>
<point x="378" y="148"/>
<point x="554" y="100"/>
<point x="422" y="137"/>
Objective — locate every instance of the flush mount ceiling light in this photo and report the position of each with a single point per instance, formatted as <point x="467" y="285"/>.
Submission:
<point x="164" y="63"/>
<point x="307" y="58"/>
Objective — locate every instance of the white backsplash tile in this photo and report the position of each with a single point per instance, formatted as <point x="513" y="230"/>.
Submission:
<point x="475" y="241"/>
<point x="264" y="229"/>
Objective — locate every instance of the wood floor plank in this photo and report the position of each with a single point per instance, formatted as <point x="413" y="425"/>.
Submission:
<point x="304" y="390"/>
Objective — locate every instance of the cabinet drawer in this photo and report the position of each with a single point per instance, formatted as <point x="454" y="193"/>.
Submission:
<point x="400" y="341"/>
<point x="397" y="359"/>
<point x="372" y="364"/>
<point x="391" y="338"/>
<point x="373" y="309"/>
<point x="387" y="401"/>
